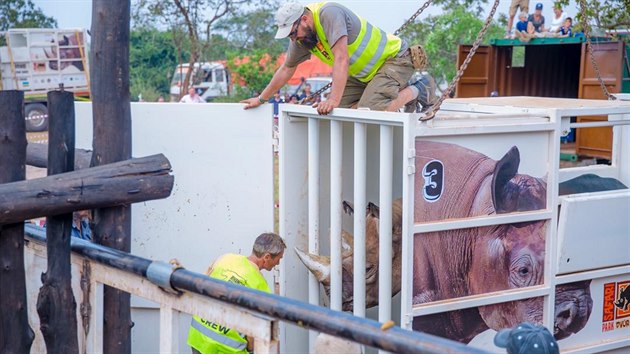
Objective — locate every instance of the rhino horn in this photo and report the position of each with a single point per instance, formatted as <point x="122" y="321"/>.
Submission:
<point x="318" y="265"/>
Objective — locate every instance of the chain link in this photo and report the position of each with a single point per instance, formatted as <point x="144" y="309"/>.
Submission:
<point x="589" y="46"/>
<point x="433" y="110"/>
<point x="404" y="25"/>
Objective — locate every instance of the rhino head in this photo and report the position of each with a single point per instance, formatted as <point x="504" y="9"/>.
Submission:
<point x="319" y="266"/>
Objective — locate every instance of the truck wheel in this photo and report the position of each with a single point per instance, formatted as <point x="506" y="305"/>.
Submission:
<point x="36" y="115"/>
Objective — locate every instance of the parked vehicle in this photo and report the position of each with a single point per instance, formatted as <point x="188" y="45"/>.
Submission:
<point x="210" y="79"/>
<point x="38" y="60"/>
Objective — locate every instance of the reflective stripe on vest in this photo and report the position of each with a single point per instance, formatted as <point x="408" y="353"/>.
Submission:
<point x="367" y="53"/>
<point x="219" y="338"/>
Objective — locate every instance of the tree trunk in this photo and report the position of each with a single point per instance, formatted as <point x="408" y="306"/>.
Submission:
<point x="119" y="183"/>
<point x="37" y="156"/>
<point x="111" y="143"/>
<point x="16" y="336"/>
<point x="55" y="304"/>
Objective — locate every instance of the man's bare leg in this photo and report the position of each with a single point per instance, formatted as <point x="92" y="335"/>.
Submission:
<point x="404" y="96"/>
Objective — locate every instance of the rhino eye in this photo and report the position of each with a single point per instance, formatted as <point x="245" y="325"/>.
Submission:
<point x="523" y="271"/>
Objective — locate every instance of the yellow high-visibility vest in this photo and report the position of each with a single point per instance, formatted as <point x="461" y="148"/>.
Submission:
<point x="212" y="338"/>
<point x="367" y="53"/>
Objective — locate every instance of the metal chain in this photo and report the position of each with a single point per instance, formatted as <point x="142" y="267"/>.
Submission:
<point x="431" y="113"/>
<point x="404" y="25"/>
<point x="589" y="46"/>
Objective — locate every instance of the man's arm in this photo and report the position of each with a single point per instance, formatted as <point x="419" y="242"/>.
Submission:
<point x="279" y="79"/>
<point x="339" y="76"/>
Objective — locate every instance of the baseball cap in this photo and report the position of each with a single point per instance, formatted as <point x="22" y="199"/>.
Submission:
<point x="527" y="338"/>
<point x="539" y="6"/>
<point x="286" y="16"/>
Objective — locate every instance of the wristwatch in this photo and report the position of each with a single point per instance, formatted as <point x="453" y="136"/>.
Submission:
<point x="261" y="100"/>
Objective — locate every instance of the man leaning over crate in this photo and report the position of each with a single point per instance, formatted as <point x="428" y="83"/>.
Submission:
<point x="371" y="68"/>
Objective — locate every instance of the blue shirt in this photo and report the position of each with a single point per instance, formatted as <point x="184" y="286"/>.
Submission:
<point x="521" y="26"/>
<point x="567" y="31"/>
<point x="85" y="232"/>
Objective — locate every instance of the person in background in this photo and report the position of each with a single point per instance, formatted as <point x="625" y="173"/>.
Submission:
<point x="523" y="6"/>
<point x="369" y="71"/>
<point x="276" y="100"/>
<point x="521" y="25"/>
<point x="527" y="338"/>
<point x="191" y="97"/>
<point x="567" y="28"/>
<point x="536" y="21"/>
<point x="81" y="225"/>
<point x="206" y="337"/>
<point x="160" y="99"/>
<point x="558" y="19"/>
<point x="306" y="98"/>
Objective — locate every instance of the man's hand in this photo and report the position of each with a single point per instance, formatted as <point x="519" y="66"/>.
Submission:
<point x="251" y="103"/>
<point x="326" y="107"/>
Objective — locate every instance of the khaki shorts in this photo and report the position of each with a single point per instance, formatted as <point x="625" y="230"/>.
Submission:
<point x="377" y="94"/>
<point x="523" y="4"/>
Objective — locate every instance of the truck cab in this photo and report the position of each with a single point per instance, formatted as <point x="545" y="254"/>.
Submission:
<point x="210" y="79"/>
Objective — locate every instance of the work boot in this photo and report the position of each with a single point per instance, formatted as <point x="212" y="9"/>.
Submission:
<point x="426" y="86"/>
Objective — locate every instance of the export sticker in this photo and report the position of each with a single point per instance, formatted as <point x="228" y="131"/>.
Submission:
<point x="616" y="306"/>
<point x="433" y="173"/>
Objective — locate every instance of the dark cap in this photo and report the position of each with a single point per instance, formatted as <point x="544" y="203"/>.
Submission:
<point x="527" y="338"/>
<point x="539" y="6"/>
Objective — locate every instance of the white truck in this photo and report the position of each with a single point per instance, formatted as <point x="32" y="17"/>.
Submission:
<point x="38" y="60"/>
<point x="210" y="79"/>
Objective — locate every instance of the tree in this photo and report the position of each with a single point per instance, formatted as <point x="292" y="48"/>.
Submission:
<point x="195" y="18"/>
<point x="23" y="14"/>
<point x="152" y="59"/>
<point x="255" y="70"/>
<point x="604" y="14"/>
<point x="441" y="35"/>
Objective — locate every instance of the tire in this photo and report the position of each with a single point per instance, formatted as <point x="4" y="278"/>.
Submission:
<point x="36" y="115"/>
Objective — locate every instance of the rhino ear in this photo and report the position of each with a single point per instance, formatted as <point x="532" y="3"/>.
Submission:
<point x="348" y="208"/>
<point x="504" y="171"/>
<point x="373" y="210"/>
<point x="318" y="265"/>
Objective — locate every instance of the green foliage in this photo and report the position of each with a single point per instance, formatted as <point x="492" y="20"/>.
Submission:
<point x="152" y="60"/>
<point x="23" y="14"/>
<point x="441" y="35"/>
<point x="255" y="72"/>
<point x="603" y="14"/>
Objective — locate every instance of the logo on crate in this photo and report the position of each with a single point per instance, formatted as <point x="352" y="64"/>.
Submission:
<point x="433" y="173"/>
<point x="616" y="307"/>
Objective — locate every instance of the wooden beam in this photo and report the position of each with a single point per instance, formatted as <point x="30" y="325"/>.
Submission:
<point x="56" y="305"/>
<point x="16" y="336"/>
<point x="120" y="183"/>
<point x="37" y="156"/>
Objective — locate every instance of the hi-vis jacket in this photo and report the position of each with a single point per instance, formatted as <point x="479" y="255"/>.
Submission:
<point x="212" y="338"/>
<point x="367" y="53"/>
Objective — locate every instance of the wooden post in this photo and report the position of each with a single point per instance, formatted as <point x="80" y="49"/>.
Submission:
<point x="109" y="65"/>
<point x="16" y="336"/>
<point x="56" y="305"/>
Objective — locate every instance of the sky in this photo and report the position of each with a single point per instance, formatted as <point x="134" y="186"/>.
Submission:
<point x="386" y="14"/>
